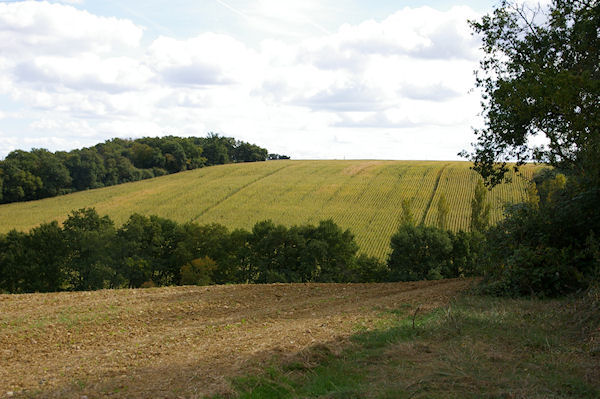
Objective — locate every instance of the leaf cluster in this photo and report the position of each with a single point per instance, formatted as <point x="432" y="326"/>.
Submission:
<point x="540" y="79"/>
<point x="88" y="252"/>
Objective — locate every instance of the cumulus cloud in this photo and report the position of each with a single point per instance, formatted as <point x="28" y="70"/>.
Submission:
<point x="435" y="92"/>
<point x="83" y="72"/>
<point x="351" y="96"/>
<point x="417" y="32"/>
<point x="208" y="59"/>
<point x="78" y="72"/>
<point x="44" y="28"/>
<point x="373" y="120"/>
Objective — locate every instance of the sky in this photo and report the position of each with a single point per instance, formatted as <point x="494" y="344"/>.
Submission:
<point x="312" y="79"/>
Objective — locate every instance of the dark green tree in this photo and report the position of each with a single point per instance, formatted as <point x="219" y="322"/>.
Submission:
<point x="540" y="76"/>
<point x="340" y="250"/>
<point x="407" y="217"/>
<point x="13" y="255"/>
<point x="46" y="257"/>
<point x="480" y="209"/>
<point x="442" y="212"/>
<point x="90" y="240"/>
<point x="419" y="253"/>
<point x="18" y="184"/>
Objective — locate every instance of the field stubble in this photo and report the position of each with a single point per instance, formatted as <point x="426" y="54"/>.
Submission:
<point x="182" y="341"/>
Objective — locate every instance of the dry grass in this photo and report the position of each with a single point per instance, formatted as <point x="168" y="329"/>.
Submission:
<point x="182" y="341"/>
<point x="474" y="347"/>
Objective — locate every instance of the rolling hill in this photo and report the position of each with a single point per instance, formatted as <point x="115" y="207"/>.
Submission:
<point x="364" y="196"/>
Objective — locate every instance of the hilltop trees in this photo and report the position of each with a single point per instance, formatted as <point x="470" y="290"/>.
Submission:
<point x="39" y="173"/>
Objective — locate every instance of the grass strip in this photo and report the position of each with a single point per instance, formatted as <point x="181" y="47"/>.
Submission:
<point x="476" y="347"/>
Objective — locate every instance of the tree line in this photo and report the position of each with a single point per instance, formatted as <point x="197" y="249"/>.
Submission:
<point x="39" y="173"/>
<point x="89" y="252"/>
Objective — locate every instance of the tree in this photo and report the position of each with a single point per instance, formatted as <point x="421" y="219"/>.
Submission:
<point x="480" y="209"/>
<point x="407" y="217"/>
<point x="13" y="253"/>
<point x="198" y="271"/>
<point x="419" y="253"/>
<point x="442" y="212"/>
<point x="46" y="256"/>
<point x="89" y="240"/>
<point x="540" y="76"/>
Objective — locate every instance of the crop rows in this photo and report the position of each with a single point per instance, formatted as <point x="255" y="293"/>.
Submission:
<point x="363" y="196"/>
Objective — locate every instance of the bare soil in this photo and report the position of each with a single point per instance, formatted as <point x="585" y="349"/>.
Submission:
<point x="182" y="342"/>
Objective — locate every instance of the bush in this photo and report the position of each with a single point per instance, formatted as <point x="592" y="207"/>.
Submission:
<point x="198" y="272"/>
<point x="546" y="247"/>
<point x="368" y="269"/>
<point x="419" y="253"/>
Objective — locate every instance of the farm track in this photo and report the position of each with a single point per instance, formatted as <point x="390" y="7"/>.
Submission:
<point x="433" y="192"/>
<point x="236" y="191"/>
<point x="182" y="341"/>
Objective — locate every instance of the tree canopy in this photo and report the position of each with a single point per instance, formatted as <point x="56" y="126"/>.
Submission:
<point x="40" y="174"/>
<point x="540" y="78"/>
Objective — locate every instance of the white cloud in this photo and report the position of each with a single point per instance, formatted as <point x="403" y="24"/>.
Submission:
<point x="417" y="32"/>
<point x="364" y="89"/>
<point x="33" y="27"/>
<point x="208" y="59"/>
<point x="84" y="72"/>
<point x="347" y="96"/>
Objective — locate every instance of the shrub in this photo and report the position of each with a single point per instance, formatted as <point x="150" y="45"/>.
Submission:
<point x="198" y="271"/>
<point x="419" y="253"/>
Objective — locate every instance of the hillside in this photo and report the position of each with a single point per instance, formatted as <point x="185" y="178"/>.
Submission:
<point x="364" y="196"/>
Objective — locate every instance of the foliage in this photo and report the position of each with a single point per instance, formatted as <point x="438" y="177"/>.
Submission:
<point x="198" y="271"/>
<point x="89" y="253"/>
<point x="368" y="269"/>
<point x="419" y="253"/>
<point x="480" y="209"/>
<point x="546" y="248"/>
<point x="407" y="217"/>
<point x="539" y="77"/>
<point x="89" y="238"/>
<point x="39" y="173"/>
<point x="442" y="212"/>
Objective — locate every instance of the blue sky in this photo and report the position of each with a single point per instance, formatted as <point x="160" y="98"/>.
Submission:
<point x="314" y="79"/>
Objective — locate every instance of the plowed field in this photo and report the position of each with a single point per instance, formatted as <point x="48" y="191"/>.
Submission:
<point x="182" y="341"/>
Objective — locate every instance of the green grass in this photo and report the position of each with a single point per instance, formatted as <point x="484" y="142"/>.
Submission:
<point x="475" y="348"/>
<point x="364" y="196"/>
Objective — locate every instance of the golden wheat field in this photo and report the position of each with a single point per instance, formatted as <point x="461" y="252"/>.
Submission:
<point x="363" y="196"/>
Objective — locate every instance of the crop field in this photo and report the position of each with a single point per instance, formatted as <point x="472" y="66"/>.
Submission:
<point x="364" y="196"/>
<point x="183" y="341"/>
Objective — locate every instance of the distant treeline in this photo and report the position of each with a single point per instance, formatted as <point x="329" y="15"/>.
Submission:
<point x="40" y="173"/>
<point x="88" y="252"/>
